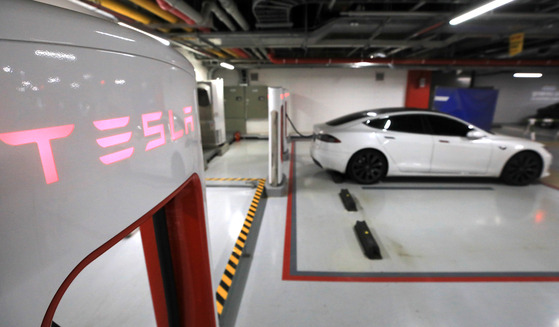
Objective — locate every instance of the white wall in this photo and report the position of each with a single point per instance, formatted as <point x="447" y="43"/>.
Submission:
<point x="230" y="77"/>
<point x="520" y="97"/>
<point x="321" y="94"/>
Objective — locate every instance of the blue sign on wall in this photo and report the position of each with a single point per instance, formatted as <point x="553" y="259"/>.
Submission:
<point x="476" y="106"/>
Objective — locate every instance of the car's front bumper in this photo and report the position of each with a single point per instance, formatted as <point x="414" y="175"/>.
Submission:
<point x="547" y="160"/>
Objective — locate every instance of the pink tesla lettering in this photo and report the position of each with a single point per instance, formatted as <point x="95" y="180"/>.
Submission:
<point x="117" y="156"/>
<point x="42" y="138"/>
<point x="188" y="120"/>
<point x="153" y="130"/>
<point x="174" y="135"/>
<point x="106" y="124"/>
<point x="113" y="140"/>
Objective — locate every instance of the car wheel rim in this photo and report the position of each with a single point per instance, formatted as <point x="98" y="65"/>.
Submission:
<point x="368" y="167"/>
<point x="523" y="169"/>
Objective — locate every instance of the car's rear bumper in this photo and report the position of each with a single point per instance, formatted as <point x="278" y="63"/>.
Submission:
<point x="326" y="157"/>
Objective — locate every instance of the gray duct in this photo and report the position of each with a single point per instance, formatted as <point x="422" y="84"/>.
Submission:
<point x="210" y="7"/>
<point x="187" y="10"/>
<point x="204" y="19"/>
<point x="232" y="9"/>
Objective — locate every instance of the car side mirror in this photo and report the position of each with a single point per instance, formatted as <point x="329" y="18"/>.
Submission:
<point x="474" y="135"/>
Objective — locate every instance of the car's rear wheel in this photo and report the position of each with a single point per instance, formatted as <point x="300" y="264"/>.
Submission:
<point x="367" y="166"/>
<point x="522" y="169"/>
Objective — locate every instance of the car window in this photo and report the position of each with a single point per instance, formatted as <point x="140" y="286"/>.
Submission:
<point x="447" y="126"/>
<point x="376" y="123"/>
<point x="400" y="123"/>
<point x="363" y="114"/>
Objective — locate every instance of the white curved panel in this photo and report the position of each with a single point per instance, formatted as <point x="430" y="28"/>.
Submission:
<point x="95" y="131"/>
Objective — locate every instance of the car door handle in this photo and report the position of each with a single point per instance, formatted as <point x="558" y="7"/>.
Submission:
<point x="444" y="141"/>
<point x="390" y="137"/>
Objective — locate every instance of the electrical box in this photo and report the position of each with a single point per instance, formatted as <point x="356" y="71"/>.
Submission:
<point x="212" y="115"/>
<point x="235" y="102"/>
<point x="257" y="102"/>
<point x="246" y="110"/>
<point x="235" y="111"/>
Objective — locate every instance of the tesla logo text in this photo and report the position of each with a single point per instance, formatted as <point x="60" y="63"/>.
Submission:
<point x="113" y="140"/>
<point x="122" y="134"/>
<point x="42" y="137"/>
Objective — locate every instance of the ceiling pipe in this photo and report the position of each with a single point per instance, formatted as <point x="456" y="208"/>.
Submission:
<point x="232" y="10"/>
<point x="428" y="29"/>
<point x="191" y="49"/>
<point x="418" y="62"/>
<point x="257" y="54"/>
<point x="156" y="10"/>
<point x="209" y="7"/>
<point x="181" y="10"/>
<point x="124" y="11"/>
<point x="240" y="53"/>
<point x="151" y="7"/>
<point x="192" y="17"/>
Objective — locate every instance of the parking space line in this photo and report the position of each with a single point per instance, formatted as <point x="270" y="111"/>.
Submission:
<point x="429" y="188"/>
<point x="291" y="272"/>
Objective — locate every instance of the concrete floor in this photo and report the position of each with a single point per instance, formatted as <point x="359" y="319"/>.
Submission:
<point x="456" y="252"/>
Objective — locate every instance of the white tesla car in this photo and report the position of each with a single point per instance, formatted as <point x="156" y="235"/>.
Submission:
<point x="372" y="144"/>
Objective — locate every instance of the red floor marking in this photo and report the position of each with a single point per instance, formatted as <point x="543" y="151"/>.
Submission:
<point x="555" y="187"/>
<point x="287" y="244"/>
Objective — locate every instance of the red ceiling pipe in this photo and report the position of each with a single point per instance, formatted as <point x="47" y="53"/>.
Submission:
<point x="420" y="62"/>
<point x="167" y="7"/>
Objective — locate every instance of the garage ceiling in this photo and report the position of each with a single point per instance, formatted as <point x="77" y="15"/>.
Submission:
<point x="272" y="33"/>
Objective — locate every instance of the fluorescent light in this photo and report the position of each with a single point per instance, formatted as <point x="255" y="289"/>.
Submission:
<point x="361" y="64"/>
<point x="162" y="40"/>
<point x="527" y="75"/>
<point x="478" y="11"/>
<point x="226" y="65"/>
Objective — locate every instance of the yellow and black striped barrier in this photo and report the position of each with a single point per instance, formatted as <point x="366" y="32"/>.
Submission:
<point x="231" y="268"/>
<point x="233" y="179"/>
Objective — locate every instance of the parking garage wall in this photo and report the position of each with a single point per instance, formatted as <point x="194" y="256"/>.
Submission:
<point x="321" y="94"/>
<point x="520" y="98"/>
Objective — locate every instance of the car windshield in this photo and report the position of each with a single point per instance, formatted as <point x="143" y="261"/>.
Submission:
<point x="363" y="114"/>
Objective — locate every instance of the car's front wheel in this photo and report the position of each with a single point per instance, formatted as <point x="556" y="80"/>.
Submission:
<point x="522" y="169"/>
<point x="367" y="166"/>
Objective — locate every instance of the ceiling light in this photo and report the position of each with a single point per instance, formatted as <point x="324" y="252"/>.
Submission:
<point x="377" y="55"/>
<point x="527" y="75"/>
<point x="226" y="65"/>
<point x="361" y="64"/>
<point x="478" y="11"/>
